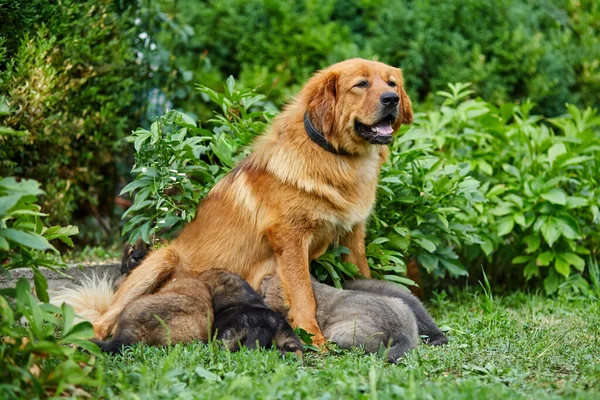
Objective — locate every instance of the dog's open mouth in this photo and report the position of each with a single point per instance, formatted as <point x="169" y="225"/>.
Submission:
<point x="379" y="133"/>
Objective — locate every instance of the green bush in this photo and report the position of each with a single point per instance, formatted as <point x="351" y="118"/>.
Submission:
<point x="69" y="75"/>
<point x="511" y="50"/>
<point x="37" y="357"/>
<point x="541" y="180"/>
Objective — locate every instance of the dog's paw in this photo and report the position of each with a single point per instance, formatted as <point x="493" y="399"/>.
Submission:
<point x="101" y="331"/>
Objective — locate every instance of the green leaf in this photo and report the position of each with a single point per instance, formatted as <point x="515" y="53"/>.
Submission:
<point x="41" y="286"/>
<point x="206" y="374"/>
<point x="31" y="240"/>
<point x="454" y="267"/>
<point x="532" y="242"/>
<point x="568" y="226"/>
<point x="555" y="151"/>
<point x="428" y="261"/>
<point x="551" y="282"/>
<point x="68" y="314"/>
<point x="555" y="196"/>
<point x="550" y="231"/>
<point x="574" y="260"/>
<point x="562" y="267"/>
<point x="521" y="259"/>
<point x="505" y="225"/>
<point x="62" y="233"/>
<point x="426" y="244"/>
<point x="83" y="330"/>
<point x="544" y="259"/>
<point x="7" y="202"/>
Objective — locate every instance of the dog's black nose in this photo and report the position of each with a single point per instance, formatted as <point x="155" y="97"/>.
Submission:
<point x="390" y="99"/>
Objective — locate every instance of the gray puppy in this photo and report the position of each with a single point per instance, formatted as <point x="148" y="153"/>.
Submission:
<point x="426" y="325"/>
<point x="352" y="318"/>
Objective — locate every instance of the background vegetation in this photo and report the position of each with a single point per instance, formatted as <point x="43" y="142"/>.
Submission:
<point x="474" y="182"/>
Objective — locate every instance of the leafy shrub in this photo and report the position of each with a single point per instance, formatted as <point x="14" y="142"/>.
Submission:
<point x="37" y="356"/>
<point x="69" y="76"/>
<point x="541" y="178"/>
<point x="177" y="162"/>
<point x="512" y="50"/>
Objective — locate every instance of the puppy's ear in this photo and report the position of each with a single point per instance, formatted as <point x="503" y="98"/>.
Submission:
<point x="322" y="93"/>
<point x="405" y="108"/>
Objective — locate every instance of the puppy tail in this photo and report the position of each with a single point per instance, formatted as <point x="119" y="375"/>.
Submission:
<point x="90" y="298"/>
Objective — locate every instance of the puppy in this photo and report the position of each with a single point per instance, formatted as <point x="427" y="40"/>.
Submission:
<point x="425" y="324"/>
<point x="351" y="318"/>
<point x="183" y="304"/>
<point x="243" y="318"/>
<point x="310" y="181"/>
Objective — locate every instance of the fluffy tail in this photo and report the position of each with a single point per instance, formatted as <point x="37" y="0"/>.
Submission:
<point x="90" y="298"/>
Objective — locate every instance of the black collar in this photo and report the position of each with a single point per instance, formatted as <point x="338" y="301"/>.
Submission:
<point x="320" y="139"/>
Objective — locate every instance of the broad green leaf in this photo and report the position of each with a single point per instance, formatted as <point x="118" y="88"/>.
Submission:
<point x="568" y="225"/>
<point x="562" y="267"/>
<point x="454" y="267"/>
<point x="574" y="260"/>
<point x="83" y="330"/>
<point x="31" y="240"/>
<point x="7" y="202"/>
<point x="505" y="225"/>
<point x="555" y="196"/>
<point x="68" y="314"/>
<point x="428" y="261"/>
<point x="532" y="242"/>
<point x="41" y="285"/>
<point x="521" y="259"/>
<point x="551" y="282"/>
<point x="551" y="231"/>
<point x="426" y="244"/>
<point x="544" y="259"/>
<point x="555" y="151"/>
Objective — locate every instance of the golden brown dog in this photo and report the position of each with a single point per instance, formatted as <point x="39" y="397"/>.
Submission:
<point x="310" y="181"/>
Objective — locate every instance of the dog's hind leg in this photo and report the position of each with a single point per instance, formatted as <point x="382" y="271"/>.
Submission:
<point x="155" y="269"/>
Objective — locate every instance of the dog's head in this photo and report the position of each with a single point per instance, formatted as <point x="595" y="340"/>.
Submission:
<point x="357" y="103"/>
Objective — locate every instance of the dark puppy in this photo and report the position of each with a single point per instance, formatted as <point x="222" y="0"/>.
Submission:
<point x="240" y="314"/>
<point x="182" y="303"/>
<point x="243" y="318"/>
<point x="426" y="325"/>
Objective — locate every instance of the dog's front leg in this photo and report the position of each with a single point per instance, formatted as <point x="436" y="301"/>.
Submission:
<point x="355" y="242"/>
<point x="291" y="252"/>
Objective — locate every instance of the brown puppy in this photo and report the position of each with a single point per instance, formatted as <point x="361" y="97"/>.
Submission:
<point x="310" y="181"/>
<point x="183" y="303"/>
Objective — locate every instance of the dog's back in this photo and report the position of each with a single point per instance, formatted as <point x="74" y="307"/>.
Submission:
<point x="352" y="318"/>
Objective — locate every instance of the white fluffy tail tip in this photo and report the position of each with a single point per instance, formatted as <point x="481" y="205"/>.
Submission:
<point x="90" y="298"/>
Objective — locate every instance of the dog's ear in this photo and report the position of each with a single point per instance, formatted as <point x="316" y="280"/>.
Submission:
<point x="406" y="113"/>
<point x="322" y="95"/>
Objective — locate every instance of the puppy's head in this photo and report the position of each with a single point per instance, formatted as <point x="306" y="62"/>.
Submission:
<point x="133" y="255"/>
<point x="357" y="103"/>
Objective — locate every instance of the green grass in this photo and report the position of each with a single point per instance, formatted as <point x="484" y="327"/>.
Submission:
<point x="518" y="346"/>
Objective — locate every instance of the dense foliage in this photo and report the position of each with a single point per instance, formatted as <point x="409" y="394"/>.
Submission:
<point x="68" y="77"/>
<point x="76" y="77"/>
<point x="36" y="352"/>
<point x="511" y="50"/>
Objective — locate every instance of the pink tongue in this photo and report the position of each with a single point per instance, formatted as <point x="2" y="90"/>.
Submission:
<point x="385" y="128"/>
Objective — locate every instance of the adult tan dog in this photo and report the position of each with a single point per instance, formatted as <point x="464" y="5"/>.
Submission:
<point x="309" y="182"/>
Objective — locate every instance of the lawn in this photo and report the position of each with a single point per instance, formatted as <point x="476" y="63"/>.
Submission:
<point x="516" y="346"/>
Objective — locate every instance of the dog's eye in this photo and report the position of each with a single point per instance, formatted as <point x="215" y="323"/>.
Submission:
<point x="392" y="84"/>
<point x="362" y="84"/>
